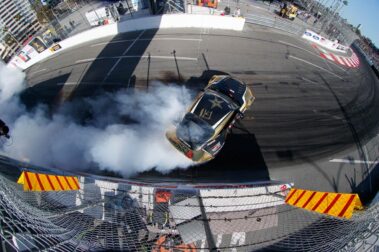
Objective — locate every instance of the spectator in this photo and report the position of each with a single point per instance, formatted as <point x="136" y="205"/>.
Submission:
<point x="227" y="10"/>
<point x="237" y="12"/>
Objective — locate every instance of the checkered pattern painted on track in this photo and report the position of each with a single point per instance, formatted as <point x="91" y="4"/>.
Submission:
<point x="351" y="62"/>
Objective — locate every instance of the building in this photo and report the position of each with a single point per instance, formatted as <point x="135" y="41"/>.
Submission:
<point x="18" y="22"/>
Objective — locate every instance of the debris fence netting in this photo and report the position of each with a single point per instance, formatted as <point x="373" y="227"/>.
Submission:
<point x="106" y="215"/>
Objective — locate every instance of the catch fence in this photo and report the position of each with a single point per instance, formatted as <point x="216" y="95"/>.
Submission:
<point x="134" y="216"/>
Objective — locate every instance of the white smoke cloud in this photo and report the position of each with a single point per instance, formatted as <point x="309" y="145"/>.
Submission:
<point x="11" y="82"/>
<point x="125" y="132"/>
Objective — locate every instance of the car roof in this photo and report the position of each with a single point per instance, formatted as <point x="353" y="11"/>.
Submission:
<point x="211" y="107"/>
<point x="233" y="88"/>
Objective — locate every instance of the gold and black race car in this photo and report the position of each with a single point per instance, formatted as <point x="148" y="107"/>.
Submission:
<point x="202" y="132"/>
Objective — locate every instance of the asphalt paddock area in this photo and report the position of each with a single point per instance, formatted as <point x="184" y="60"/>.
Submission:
<point x="309" y="116"/>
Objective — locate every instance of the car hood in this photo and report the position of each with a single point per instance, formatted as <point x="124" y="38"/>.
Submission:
<point x="212" y="108"/>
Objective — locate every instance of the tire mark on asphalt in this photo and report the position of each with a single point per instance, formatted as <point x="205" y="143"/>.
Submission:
<point x="310" y="52"/>
<point x="354" y="132"/>
<point x="310" y="63"/>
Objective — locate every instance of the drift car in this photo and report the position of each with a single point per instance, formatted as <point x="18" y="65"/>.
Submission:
<point x="202" y="132"/>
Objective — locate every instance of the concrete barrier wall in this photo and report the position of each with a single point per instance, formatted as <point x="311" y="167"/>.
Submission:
<point x="151" y="22"/>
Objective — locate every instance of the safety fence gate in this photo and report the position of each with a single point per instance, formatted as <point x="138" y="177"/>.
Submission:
<point x="102" y="214"/>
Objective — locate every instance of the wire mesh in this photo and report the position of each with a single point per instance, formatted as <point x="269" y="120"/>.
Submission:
<point x="105" y="215"/>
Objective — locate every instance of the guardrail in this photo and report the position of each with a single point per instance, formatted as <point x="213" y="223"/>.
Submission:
<point x="277" y="23"/>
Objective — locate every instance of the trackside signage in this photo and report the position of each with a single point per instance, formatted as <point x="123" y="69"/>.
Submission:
<point x="320" y="40"/>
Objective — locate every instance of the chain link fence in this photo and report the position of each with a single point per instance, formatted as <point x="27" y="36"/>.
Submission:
<point x="69" y="18"/>
<point x="129" y="216"/>
<point x="267" y="13"/>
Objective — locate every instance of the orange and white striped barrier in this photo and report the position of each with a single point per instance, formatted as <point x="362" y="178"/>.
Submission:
<point x="336" y="204"/>
<point x="352" y="61"/>
<point x="47" y="182"/>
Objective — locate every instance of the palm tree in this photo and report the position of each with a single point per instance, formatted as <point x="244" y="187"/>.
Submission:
<point x="345" y="3"/>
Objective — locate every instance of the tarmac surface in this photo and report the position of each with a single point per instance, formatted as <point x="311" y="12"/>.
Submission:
<point x="313" y="123"/>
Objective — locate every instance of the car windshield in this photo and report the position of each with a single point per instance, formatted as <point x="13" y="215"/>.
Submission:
<point x="194" y="131"/>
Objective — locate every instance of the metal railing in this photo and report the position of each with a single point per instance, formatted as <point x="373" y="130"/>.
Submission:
<point x="276" y="23"/>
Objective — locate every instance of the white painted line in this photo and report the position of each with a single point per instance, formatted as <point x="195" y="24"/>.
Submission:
<point x="351" y="61"/>
<point x="352" y="161"/>
<point x="314" y="54"/>
<point x="334" y="62"/>
<point x="85" y="60"/>
<point x="329" y="57"/>
<point x="176" y="39"/>
<point x="310" y="63"/>
<point x="310" y="81"/>
<point x="146" y="39"/>
<point x="340" y="60"/>
<point x="136" y="56"/>
<point x="167" y="57"/>
<point x="129" y="47"/>
<point x="347" y="62"/>
<point x="298" y="47"/>
<point x="111" y="70"/>
<point x="337" y="60"/>
<point x="320" y="51"/>
<point x="112" y="42"/>
<point x="125" y="52"/>
<point x="66" y="83"/>
<point x="38" y="71"/>
<point x="337" y="117"/>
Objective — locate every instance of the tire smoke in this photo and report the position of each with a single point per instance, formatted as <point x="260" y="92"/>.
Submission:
<point x="122" y="131"/>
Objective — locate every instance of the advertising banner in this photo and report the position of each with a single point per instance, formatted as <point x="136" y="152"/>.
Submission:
<point x="320" y="40"/>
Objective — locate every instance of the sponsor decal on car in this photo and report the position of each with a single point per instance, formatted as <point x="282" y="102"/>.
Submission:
<point x="216" y="147"/>
<point x="179" y="146"/>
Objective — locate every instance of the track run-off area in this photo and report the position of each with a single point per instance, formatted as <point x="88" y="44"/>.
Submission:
<point x="314" y="121"/>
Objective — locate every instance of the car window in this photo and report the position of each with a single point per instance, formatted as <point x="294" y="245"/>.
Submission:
<point x="231" y="88"/>
<point x="194" y="131"/>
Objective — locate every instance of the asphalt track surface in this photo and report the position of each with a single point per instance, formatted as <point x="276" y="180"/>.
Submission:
<point x="307" y="112"/>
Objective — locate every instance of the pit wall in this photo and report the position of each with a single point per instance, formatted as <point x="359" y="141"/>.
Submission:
<point x="152" y="22"/>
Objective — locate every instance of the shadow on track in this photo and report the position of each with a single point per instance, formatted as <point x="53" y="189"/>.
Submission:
<point x="240" y="160"/>
<point x="47" y="92"/>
